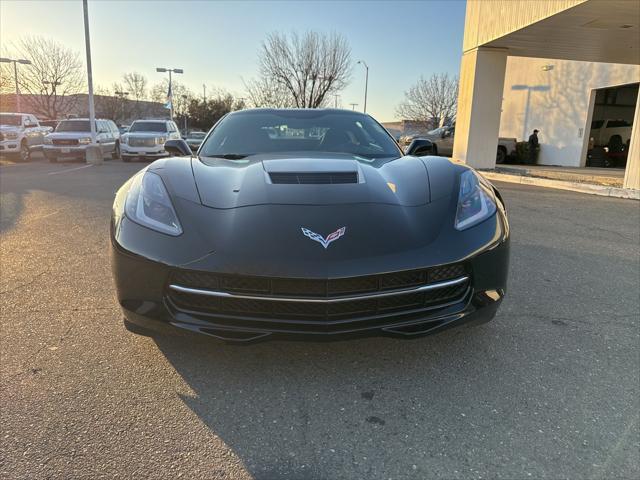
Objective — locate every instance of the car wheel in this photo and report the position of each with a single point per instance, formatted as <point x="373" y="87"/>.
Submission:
<point x="501" y="155"/>
<point x="116" y="152"/>
<point x="126" y="159"/>
<point x="24" y="153"/>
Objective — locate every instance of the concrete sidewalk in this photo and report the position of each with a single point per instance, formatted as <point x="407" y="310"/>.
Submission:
<point x="596" y="181"/>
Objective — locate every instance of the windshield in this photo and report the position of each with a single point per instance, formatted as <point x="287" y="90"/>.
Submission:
<point x="197" y="135"/>
<point x="10" y="120"/>
<point x="73" y="126"/>
<point x="284" y="131"/>
<point x="148" y="127"/>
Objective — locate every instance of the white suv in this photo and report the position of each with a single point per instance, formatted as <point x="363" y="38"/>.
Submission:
<point x="146" y="138"/>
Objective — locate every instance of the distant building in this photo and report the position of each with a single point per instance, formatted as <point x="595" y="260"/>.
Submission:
<point x="121" y="111"/>
<point x="561" y="66"/>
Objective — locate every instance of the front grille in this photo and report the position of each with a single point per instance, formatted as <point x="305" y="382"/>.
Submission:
<point x="313" y="178"/>
<point x="65" y="141"/>
<point x="307" y="311"/>
<point x="306" y="288"/>
<point x="142" y="141"/>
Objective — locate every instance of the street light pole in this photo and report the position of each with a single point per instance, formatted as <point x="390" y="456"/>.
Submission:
<point x="92" y="111"/>
<point x="170" y="70"/>
<point x="21" y="61"/>
<point x="366" y="82"/>
<point x="353" y="106"/>
<point x="123" y="99"/>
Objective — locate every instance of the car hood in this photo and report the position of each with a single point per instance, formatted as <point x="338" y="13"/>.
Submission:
<point x="64" y="135"/>
<point x="9" y="128"/>
<point x="263" y="179"/>
<point x="146" y="134"/>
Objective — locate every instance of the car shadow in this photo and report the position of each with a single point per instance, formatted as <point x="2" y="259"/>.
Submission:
<point x="330" y="410"/>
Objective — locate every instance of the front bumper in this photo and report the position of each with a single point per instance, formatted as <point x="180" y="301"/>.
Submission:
<point x="143" y="152"/>
<point x="10" y="146"/>
<point x="65" y="152"/>
<point x="146" y="300"/>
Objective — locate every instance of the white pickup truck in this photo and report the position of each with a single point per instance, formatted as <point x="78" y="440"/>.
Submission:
<point x="610" y="133"/>
<point x="442" y="138"/>
<point x="20" y="133"/>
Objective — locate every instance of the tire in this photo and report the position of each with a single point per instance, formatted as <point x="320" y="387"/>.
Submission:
<point x="126" y="159"/>
<point x="25" y="154"/>
<point x="598" y="158"/>
<point x="501" y="155"/>
<point x="116" y="152"/>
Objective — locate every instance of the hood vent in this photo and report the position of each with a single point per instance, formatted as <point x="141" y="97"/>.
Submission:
<point x="313" y="178"/>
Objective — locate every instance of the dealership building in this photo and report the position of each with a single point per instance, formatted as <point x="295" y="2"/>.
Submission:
<point x="569" y="68"/>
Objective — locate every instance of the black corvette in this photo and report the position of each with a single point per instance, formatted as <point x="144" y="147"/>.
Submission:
<point x="307" y="223"/>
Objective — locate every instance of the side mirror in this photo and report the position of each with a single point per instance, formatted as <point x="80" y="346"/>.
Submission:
<point x="179" y="148"/>
<point x="420" y="147"/>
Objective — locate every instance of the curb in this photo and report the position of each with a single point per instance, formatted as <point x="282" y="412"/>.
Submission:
<point x="589" y="188"/>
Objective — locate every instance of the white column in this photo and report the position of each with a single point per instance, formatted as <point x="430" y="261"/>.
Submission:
<point x="632" y="172"/>
<point x="479" y="104"/>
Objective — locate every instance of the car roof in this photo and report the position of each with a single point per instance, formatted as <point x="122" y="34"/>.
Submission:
<point x="303" y="111"/>
<point x="83" y="119"/>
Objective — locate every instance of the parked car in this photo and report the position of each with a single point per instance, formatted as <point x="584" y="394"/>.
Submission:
<point x="146" y="138"/>
<point x="20" y="134"/>
<point x="272" y="231"/>
<point x="70" y="139"/>
<point x="443" y="137"/>
<point x="52" y="124"/>
<point x="613" y="134"/>
<point x="194" y="140"/>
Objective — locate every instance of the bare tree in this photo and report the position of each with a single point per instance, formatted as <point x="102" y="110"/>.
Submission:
<point x="112" y="103"/>
<point x="182" y="96"/>
<point x="310" y="67"/>
<point x="53" y="78"/>
<point x="136" y="85"/>
<point x="265" y="92"/>
<point x="432" y="99"/>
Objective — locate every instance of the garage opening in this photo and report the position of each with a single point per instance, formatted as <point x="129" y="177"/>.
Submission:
<point x="611" y="126"/>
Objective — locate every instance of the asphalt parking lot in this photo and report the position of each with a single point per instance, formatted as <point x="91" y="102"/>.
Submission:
<point x="549" y="389"/>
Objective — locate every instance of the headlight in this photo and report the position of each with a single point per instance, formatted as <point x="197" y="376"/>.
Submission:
<point x="84" y="141"/>
<point x="11" y="135"/>
<point x="149" y="205"/>
<point x="476" y="201"/>
<point x="48" y="141"/>
<point x="161" y="140"/>
<point x="124" y="139"/>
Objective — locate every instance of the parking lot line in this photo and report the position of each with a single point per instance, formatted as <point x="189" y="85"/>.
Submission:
<point x="69" y="170"/>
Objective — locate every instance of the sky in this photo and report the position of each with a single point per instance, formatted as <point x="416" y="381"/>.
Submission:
<point x="217" y="42"/>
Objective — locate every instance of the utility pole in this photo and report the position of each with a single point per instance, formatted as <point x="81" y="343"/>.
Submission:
<point x="336" y="100"/>
<point x="366" y="82"/>
<point x="92" y="110"/>
<point x="21" y="61"/>
<point x="204" y="93"/>
<point x="123" y="99"/>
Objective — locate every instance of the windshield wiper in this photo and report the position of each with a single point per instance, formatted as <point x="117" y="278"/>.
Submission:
<point x="230" y="156"/>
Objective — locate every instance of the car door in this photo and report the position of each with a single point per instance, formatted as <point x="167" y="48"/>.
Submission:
<point x="106" y="137"/>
